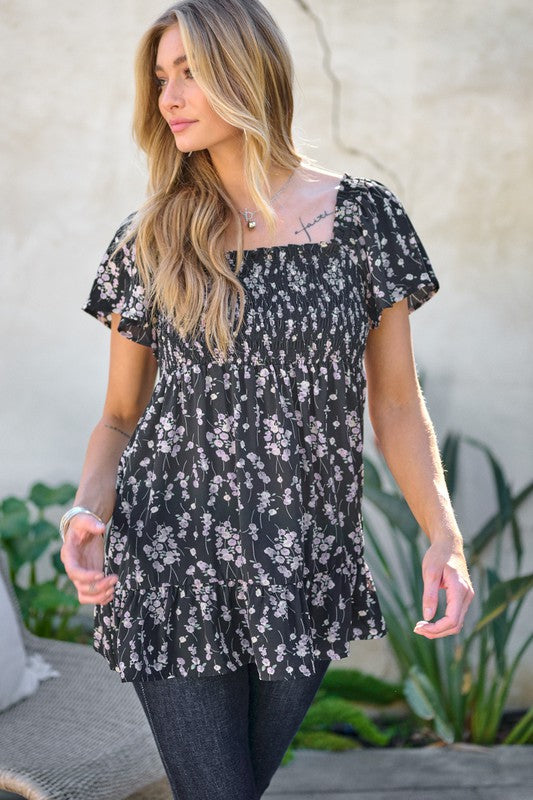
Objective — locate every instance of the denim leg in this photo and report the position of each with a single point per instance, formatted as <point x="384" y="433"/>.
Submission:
<point x="276" y="711"/>
<point x="200" y="725"/>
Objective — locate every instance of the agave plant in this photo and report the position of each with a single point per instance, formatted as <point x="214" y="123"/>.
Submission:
<point x="460" y="683"/>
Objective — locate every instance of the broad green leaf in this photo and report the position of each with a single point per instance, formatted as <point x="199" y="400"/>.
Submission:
<point x="499" y="625"/>
<point x="522" y="495"/>
<point x="371" y="536"/>
<point x="418" y="699"/>
<point x="13" y="505"/>
<point x="399" y="641"/>
<point x="395" y="565"/>
<point x="58" y="564"/>
<point x="425" y="702"/>
<point x="495" y="526"/>
<point x="444" y="729"/>
<point x="487" y="714"/>
<point x="371" y="474"/>
<point x="43" y="529"/>
<point x="449" y="455"/>
<point x="459" y="682"/>
<point x="395" y="509"/>
<point x="502" y="487"/>
<point x="325" y="740"/>
<point x="335" y="711"/>
<point x="31" y="548"/>
<point x="44" y="496"/>
<point x="501" y="596"/>
<point x="15" y="524"/>
<point x="505" y="684"/>
<point x="47" y="597"/>
<point x="351" y="684"/>
<point x="288" y="757"/>
<point x="517" y="542"/>
<point x="522" y="732"/>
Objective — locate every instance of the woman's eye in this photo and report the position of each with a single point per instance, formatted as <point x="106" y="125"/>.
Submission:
<point x="161" y="82"/>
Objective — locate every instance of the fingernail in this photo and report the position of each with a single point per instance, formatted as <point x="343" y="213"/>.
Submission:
<point x="428" y="613"/>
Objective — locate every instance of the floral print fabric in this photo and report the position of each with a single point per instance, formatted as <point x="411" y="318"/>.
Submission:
<point x="237" y="529"/>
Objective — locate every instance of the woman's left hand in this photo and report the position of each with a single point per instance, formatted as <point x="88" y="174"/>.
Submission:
<point x="444" y="567"/>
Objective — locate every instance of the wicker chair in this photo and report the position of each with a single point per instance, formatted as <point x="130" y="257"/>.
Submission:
<point x="82" y="735"/>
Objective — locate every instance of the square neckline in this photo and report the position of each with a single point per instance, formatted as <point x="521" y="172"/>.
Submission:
<point x="295" y="247"/>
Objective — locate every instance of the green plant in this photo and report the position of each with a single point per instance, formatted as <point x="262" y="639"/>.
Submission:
<point x="460" y="683"/>
<point x="335" y="704"/>
<point x="27" y="536"/>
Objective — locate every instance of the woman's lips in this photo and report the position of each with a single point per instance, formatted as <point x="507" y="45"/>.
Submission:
<point x="180" y="126"/>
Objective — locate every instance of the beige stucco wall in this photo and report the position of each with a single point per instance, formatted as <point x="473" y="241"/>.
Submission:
<point x="433" y="102"/>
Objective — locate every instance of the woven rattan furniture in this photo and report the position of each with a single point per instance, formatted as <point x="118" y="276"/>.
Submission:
<point x="82" y="735"/>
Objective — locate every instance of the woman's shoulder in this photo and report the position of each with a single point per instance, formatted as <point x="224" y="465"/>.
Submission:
<point x="363" y="185"/>
<point x="323" y="178"/>
<point x="126" y="225"/>
<point x="370" y="196"/>
<point x="355" y="197"/>
<point x="319" y="178"/>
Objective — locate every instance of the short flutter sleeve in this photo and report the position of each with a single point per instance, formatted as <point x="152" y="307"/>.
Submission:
<point x="396" y="260"/>
<point x="117" y="288"/>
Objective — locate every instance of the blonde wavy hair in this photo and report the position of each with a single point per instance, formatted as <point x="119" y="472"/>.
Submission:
<point x="241" y="61"/>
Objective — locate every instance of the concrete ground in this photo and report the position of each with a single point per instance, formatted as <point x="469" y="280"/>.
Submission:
<point x="444" y="773"/>
<point x="452" y="772"/>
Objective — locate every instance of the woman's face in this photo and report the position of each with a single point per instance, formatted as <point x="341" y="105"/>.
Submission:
<point x="181" y="98"/>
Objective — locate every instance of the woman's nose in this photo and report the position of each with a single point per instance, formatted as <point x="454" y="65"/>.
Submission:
<point x="171" y="96"/>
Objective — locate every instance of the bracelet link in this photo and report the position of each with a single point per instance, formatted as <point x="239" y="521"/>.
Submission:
<point x="68" y="515"/>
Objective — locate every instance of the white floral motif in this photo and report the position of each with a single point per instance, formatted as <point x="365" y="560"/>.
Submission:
<point x="237" y="531"/>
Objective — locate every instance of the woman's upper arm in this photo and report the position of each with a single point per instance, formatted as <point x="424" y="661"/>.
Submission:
<point x="132" y="374"/>
<point x="389" y="361"/>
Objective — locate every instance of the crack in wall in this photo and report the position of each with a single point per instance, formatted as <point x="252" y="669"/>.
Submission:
<point x="336" y="102"/>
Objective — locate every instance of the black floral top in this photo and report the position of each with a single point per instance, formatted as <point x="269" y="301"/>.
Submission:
<point x="237" y="530"/>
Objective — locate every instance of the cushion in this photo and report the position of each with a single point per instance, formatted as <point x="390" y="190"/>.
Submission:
<point x="20" y="672"/>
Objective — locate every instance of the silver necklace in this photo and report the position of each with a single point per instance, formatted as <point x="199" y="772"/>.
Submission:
<point x="249" y="216"/>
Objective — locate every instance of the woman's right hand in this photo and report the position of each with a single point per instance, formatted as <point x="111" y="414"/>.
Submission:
<point x="82" y="554"/>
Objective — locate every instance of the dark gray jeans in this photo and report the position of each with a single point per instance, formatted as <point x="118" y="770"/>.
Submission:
<point x="222" y="737"/>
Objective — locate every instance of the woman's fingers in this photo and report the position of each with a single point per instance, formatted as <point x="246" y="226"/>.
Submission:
<point x="98" y="592"/>
<point x="83" y="555"/>
<point x="449" y="621"/>
<point x="81" y="566"/>
<point x="466" y="603"/>
<point x="97" y="597"/>
<point x="444" y="566"/>
<point x="91" y="590"/>
<point x="459" y="596"/>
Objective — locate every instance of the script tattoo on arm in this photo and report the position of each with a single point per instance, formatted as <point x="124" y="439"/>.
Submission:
<point x="306" y="225"/>
<point x="113" y="428"/>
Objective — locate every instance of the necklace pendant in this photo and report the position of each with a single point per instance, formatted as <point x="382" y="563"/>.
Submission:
<point x="249" y="217"/>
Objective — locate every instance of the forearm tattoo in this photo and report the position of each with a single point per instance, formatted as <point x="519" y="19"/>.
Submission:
<point x="306" y="225"/>
<point x="113" y="428"/>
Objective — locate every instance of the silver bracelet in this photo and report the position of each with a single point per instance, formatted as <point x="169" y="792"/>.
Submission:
<point x="67" y="516"/>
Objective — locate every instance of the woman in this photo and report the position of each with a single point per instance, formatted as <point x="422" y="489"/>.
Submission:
<point x="233" y="569"/>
